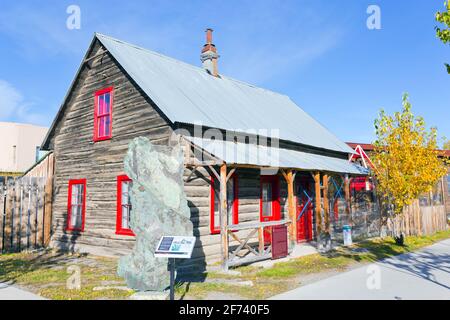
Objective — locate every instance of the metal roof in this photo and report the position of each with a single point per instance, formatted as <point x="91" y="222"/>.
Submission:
<point x="251" y="154"/>
<point x="188" y="94"/>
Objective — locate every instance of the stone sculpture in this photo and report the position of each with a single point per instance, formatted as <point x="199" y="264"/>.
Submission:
<point x="159" y="207"/>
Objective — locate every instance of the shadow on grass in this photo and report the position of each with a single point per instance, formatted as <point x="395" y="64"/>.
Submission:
<point x="18" y="265"/>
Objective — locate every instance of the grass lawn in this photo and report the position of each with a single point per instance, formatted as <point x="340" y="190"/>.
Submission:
<point x="284" y="276"/>
<point x="46" y="272"/>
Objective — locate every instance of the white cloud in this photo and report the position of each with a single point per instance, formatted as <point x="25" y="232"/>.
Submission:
<point x="14" y="107"/>
<point x="10" y="100"/>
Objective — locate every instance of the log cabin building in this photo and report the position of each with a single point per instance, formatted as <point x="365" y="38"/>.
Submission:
<point x="122" y="91"/>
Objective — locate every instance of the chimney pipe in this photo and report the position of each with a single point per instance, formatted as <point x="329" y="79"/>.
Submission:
<point x="209" y="55"/>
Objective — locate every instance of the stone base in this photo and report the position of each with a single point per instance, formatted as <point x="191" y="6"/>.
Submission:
<point x="150" y="295"/>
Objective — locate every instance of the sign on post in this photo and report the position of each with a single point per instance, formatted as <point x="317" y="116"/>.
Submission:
<point x="175" y="247"/>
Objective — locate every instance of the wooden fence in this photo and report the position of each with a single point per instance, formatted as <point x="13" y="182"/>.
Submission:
<point x="420" y="220"/>
<point x="25" y="208"/>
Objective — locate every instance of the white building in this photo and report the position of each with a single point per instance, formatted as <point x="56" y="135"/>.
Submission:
<point x="19" y="147"/>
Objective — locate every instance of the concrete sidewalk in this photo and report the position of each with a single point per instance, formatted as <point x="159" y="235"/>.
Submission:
<point x="8" y="292"/>
<point x="422" y="275"/>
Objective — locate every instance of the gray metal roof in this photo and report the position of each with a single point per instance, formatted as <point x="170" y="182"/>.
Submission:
<point x="251" y="154"/>
<point x="188" y="94"/>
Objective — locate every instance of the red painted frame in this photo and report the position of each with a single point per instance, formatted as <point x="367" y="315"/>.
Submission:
<point x="109" y="90"/>
<point x="276" y="209"/>
<point x="69" y="205"/>
<point x="235" y="204"/>
<point x="274" y="180"/>
<point x="119" y="229"/>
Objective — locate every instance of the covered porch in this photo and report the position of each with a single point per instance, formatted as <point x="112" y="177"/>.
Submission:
<point x="301" y="194"/>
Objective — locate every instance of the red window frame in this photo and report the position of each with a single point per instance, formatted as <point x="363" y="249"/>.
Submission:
<point x="109" y="90"/>
<point x="119" y="229"/>
<point x="213" y="230"/>
<point x="276" y="208"/>
<point x="69" y="227"/>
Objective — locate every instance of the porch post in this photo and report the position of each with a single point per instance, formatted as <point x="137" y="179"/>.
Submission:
<point x="318" y="205"/>
<point x="326" y="206"/>
<point x="291" y="206"/>
<point x="224" y="216"/>
<point x="347" y="198"/>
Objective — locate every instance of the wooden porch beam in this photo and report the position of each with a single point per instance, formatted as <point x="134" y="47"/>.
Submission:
<point x="347" y="197"/>
<point x="318" y="205"/>
<point x="230" y="173"/>
<point x="289" y="176"/>
<point x="224" y="216"/>
<point x="216" y="174"/>
<point x="326" y="207"/>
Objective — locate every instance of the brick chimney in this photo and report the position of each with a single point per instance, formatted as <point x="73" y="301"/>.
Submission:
<point x="209" y="55"/>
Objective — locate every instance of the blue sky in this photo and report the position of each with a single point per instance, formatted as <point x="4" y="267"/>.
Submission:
<point x="320" y="53"/>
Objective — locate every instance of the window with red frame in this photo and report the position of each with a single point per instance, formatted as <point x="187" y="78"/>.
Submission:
<point x="103" y="114"/>
<point x="123" y="206"/>
<point x="232" y="203"/>
<point x="76" y="207"/>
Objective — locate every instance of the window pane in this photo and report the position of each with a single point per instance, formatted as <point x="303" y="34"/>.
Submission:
<point x="101" y="127"/>
<point x="77" y="194"/>
<point x="107" y="98"/>
<point x="79" y="217"/>
<point x="125" y="217"/>
<point x="101" y="105"/>
<point x="73" y="216"/>
<point x="107" y="125"/>
<point x="74" y="194"/>
<point x="267" y="199"/>
<point x="76" y="216"/>
<point x="125" y="204"/>
<point x="80" y="191"/>
<point x="216" y="206"/>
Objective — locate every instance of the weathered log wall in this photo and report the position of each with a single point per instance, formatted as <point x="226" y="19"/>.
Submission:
<point x="78" y="157"/>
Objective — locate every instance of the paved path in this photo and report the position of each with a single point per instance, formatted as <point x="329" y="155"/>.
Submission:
<point x="424" y="274"/>
<point x="8" y="292"/>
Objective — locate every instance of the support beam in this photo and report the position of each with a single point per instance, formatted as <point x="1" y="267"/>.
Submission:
<point x="224" y="216"/>
<point x="291" y="206"/>
<point x="318" y="205"/>
<point x="326" y="207"/>
<point x="347" y="198"/>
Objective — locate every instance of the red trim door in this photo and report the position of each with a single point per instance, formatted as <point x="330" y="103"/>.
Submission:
<point x="269" y="202"/>
<point x="304" y="208"/>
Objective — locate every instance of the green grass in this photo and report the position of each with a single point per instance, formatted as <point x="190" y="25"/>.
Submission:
<point x="305" y="265"/>
<point x="45" y="273"/>
<point x="287" y="275"/>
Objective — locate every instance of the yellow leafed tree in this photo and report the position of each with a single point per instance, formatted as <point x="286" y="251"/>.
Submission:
<point x="405" y="157"/>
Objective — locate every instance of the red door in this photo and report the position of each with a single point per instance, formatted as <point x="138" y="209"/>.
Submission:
<point x="269" y="202"/>
<point x="304" y="211"/>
